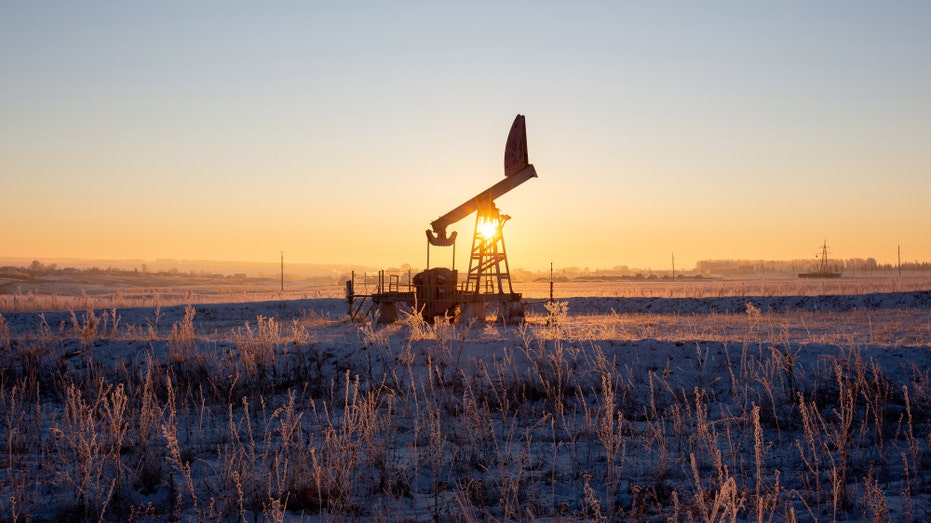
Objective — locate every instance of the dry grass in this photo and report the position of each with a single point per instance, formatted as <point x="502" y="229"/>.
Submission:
<point x="49" y="298"/>
<point x="563" y="418"/>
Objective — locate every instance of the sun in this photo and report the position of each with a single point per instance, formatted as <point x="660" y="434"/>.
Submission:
<point x="488" y="227"/>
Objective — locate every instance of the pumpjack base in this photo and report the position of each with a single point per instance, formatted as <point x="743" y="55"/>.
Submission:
<point x="506" y="308"/>
<point x="463" y="308"/>
<point x="386" y="303"/>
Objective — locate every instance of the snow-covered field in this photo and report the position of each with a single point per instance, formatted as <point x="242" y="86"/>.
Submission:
<point x="765" y="406"/>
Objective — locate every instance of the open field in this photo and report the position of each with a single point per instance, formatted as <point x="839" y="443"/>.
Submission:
<point x="717" y="400"/>
<point x="81" y="290"/>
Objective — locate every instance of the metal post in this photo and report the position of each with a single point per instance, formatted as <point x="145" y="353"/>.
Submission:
<point x="350" y="293"/>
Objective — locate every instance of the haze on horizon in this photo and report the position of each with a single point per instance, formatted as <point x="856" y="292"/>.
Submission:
<point x="336" y="133"/>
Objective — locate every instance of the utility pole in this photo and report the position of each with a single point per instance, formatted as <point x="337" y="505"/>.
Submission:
<point x="282" y="271"/>
<point x="900" y="260"/>
<point x="673" y="266"/>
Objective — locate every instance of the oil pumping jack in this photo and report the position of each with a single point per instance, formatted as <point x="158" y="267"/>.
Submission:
<point x="488" y="283"/>
<point x="487" y="288"/>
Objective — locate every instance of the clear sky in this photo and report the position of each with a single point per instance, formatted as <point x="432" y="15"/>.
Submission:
<point x="336" y="131"/>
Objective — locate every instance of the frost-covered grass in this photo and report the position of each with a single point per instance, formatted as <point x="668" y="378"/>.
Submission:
<point x="283" y="410"/>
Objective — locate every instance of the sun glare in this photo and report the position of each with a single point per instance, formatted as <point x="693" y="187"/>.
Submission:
<point x="487" y="227"/>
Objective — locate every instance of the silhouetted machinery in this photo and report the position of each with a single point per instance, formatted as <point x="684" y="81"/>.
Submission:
<point x="487" y="290"/>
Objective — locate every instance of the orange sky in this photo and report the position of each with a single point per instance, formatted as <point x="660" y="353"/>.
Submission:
<point x="176" y="131"/>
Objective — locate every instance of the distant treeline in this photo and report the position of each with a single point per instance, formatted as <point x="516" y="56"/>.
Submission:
<point x="849" y="265"/>
<point x="302" y="272"/>
<point x="37" y="268"/>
